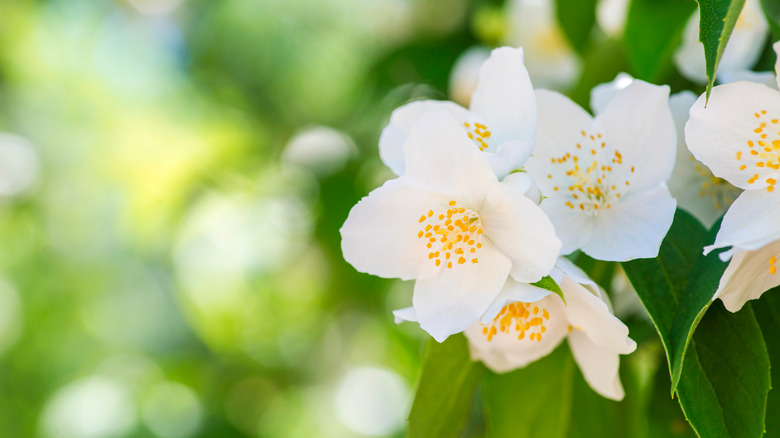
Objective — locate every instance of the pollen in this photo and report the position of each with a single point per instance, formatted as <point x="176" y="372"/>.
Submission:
<point x="518" y="319"/>
<point x="765" y="157"/>
<point x="479" y="134"/>
<point x="452" y="235"/>
<point x="772" y="267"/>
<point x="592" y="181"/>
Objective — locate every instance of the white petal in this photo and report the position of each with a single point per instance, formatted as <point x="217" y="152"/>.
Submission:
<point x="505" y="352"/>
<point x="504" y="97"/>
<point x="509" y="156"/>
<point x="525" y="184"/>
<point x="748" y="276"/>
<point x="451" y="301"/>
<point x="599" y="366"/>
<point x="601" y="94"/>
<point x="776" y="46"/>
<point x="751" y="222"/>
<point x="574" y="228"/>
<point x="550" y="60"/>
<point x="558" y="130"/>
<point x="512" y="292"/>
<point x="633" y="227"/>
<point x="638" y="123"/>
<point x="521" y="230"/>
<point x="440" y="157"/>
<point x="767" y="78"/>
<point x="573" y="271"/>
<point x="465" y="74"/>
<point x="720" y="134"/>
<point x="380" y="235"/>
<point x="391" y="142"/>
<point x="587" y="313"/>
<point x="405" y="314"/>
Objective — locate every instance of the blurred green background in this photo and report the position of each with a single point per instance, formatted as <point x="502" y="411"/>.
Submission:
<point x="174" y="267"/>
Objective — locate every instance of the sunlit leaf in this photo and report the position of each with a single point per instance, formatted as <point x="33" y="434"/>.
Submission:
<point x="717" y="19"/>
<point x="445" y="389"/>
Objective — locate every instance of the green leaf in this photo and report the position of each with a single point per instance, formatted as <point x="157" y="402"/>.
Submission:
<point x="531" y="401"/>
<point x="653" y="33"/>
<point x="577" y="18"/>
<point x="548" y="283"/>
<point x="660" y="282"/>
<point x="767" y="311"/>
<point x="772" y="11"/>
<point x="694" y="303"/>
<point x="725" y="382"/>
<point x="716" y="21"/>
<point x="445" y="389"/>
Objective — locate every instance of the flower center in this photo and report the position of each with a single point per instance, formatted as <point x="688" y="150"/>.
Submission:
<point x="716" y="189"/>
<point x="520" y="318"/>
<point x="763" y="150"/>
<point x="772" y="267"/>
<point x="591" y="176"/>
<point x="478" y="133"/>
<point x="454" y="236"/>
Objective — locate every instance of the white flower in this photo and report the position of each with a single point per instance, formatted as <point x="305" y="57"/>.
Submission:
<point x="751" y="228"/>
<point x="603" y="178"/>
<point x="742" y="51"/>
<point x="737" y="135"/>
<point x="550" y="59"/>
<point x="449" y="224"/>
<point x="526" y="323"/>
<point x="692" y="184"/>
<point x="464" y="77"/>
<point x="500" y="122"/>
<point x="611" y="16"/>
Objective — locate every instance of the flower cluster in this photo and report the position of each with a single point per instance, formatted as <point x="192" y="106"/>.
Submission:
<point x="489" y="201"/>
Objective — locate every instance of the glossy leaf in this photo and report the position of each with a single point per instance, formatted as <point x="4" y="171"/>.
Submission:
<point x="717" y="19"/>
<point x="725" y="378"/>
<point x="531" y="401"/>
<point x="548" y="283"/>
<point x="653" y="32"/>
<point x="660" y="282"/>
<point x="767" y="311"/>
<point x="694" y="303"/>
<point x="445" y="389"/>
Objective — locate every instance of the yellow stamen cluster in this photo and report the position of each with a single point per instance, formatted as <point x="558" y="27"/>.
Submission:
<point x="591" y="186"/>
<point x="521" y="318"/>
<point x="453" y="237"/>
<point x="772" y="267"/>
<point x="478" y="133"/>
<point x="718" y="190"/>
<point x="763" y="150"/>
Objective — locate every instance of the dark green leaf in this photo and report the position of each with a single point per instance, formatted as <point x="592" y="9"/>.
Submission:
<point x="694" y="303"/>
<point x="531" y="401"/>
<point x="445" y="389"/>
<point x="660" y="282"/>
<point x="767" y="310"/>
<point x="772" y="11"/>
<point x="652" y="34"/>
<point x="716" y="21"/>
<point x="725" y="381"/>
<point x="548" y="283"/>
<point x="577" y="18"/>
